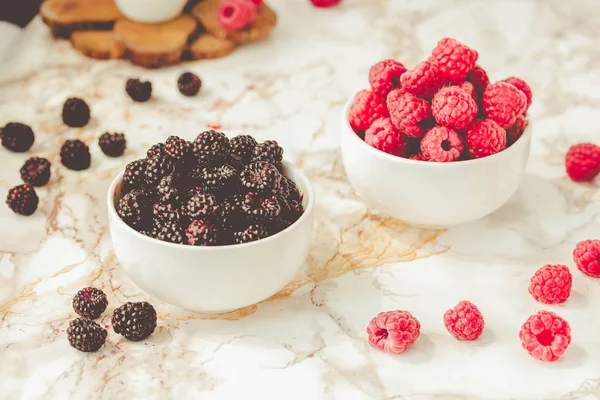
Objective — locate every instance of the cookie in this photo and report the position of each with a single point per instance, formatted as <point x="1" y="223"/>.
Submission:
<point x="208" y="47"/>
<point x="97" y="44"/>
<point x="65" y="16"/>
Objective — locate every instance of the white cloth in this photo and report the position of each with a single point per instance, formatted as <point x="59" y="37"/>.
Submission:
<point x="8" y="34"/>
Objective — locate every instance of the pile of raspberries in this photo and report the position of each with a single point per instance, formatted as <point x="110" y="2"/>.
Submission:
<point x="544" y="335"/>
<point x="209" y="192"/>
<point x="444" y="109"/>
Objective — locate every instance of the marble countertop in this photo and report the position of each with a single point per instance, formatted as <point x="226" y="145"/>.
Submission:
<point x="309" y="342"/>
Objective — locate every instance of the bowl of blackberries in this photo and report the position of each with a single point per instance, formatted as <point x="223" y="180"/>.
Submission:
<point x="211" y="225"/>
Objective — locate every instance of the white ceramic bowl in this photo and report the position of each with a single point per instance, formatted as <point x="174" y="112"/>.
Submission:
<point x="151" y="11"/>
<point x="429" y="194"/>
<point x="213" y="279"/>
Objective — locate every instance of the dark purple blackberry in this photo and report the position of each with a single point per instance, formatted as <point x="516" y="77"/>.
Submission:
<point x="90" y="302"/>
<point x="201" y="232"/>
<point x="243" y="146"/>
<point x="135" y="209"/>
<point x="223" y="179"/>
<point x="289" y="190"/>
<point x="165" y="211"/>
<point x="156" y="169"/>
<point x="251" y="233"/>
<point x="22" y="199"/>
<point x="138" y="91"/>
<point x="86" y="335"/>
<point x="291" y="210"/>
<point x="261" y="177"/>
<point x="135" y="321"/>
<point x="167" y="189"/>
<point x="133" y="177"/>
<point x="177" y="148"/>
<point x="112" y="144"/>
<point x="269" y="151"/>
<point x="235" y="162"/>
<point x="17" y="137"/>
<point x="157" y="150"/>
<point x="168" y="231"/>
<point x="76" y="113"/>
<point x="277" y="225"/>
<point x="261" y="208"/>
<point x="189" y="84"/>
<point x="36" y="171"/>
<point x="200" y="206"/>
<point x="231" y="217"/>
<point x="211" y="146"/>
<point x="75" y="155"/>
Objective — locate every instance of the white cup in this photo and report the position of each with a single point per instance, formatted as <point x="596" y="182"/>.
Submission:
<point x="151" y="11"/>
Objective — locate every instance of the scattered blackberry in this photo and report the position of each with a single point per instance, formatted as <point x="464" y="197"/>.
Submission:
<point x="17" y="137"/>
<point x="138" y="91"/>
<point x="167" y="189"/>
<point x="135" y="209"/>
<point x="165" y="211"/>
<point x="251" y="233"/>
<point x="201" y="232"/>
<point x="135" y="321"/>
<point x="269" y="151"/>
<point x="261" y="176"/>
<point x="133" y="177"/>
<point x="223" y="179"/>
<point x="112" y="144"/>
<point x="76" y="113"/>
<point x="177" y="148"/>
<point x="189" y="84"/>
<point x="22" y="199"/>
<point x="200" y="205"/>
<point x="86" y="335"/>
<point x="36" y="171"/>
<point x="260" y="208"/>
<point x="158" y="150"/>
<point x="156" y="169"/>
<point x="75" y="155"/>
<point x="90" y="302"/>
<point x="243" y="146"/>
<point x="211" y="145"/>
<point x="168" y="231"/>
<point x="289" y="190"/>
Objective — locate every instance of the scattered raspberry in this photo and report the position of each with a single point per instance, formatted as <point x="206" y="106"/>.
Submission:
<point x="201" y="233"/>
<point x="189" y="84"/>
<point x="469" y="88"/>
<point x="551" y="284"/>
<point x="442" y="144"/>
<point x="325" y="3"/>
<point x="135" y="321"/>
<point x="454" y="59"/>
<point x="86" y="335"/>
<point x="367" y="108"/>
<point x="261" y="177"/>
<point x="522" y="86"/>
<point x="251" y="233"/>
<point x="516" y="130"/>
<point x="453" y="108"/>
<point x="583" y="162"/>
<point x="236" y="14"/>
<point x="75" y="155"/>
<point x="243" y="146"/>
<point x="138" y="91"/>
<point x="587" y="257"/>
<point x="36" y="171"/>
<point x="393" y="331"/>
<point x="76" y="113"/>
<point x="112" y="144"/>
<point x="407" y="111"/>
<point x="17" y="137"/>
<point x="484" y="138"/>
<point x="383" y="136"/>
<point x="503" y="103"/>
<point x="423" y="80"/>
<point x="464" y="321"/>
<point x="90" y="302"/>
<point x="545" y="336"/>
<point x="385" y="76"/>
<point x="479" y="78"/>
<point x="22" y="199"/>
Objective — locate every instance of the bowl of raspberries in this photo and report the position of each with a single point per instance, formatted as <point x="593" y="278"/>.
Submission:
<point x="211" y="225"/>
<point x="437" y="145"/>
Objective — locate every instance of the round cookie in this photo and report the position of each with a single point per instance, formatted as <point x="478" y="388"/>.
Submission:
<point x="208" y="47"/>
<point x="97" y="44"/>
<point x="65" y="16"/>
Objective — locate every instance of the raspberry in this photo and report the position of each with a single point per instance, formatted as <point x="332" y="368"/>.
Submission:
<point x="583" y="162"/>
<point x="269" y="151"/>
<point x="201" y="233"/>
<point x="168" y="231"/>
<point x="243" y="146"/>
<point x="201" y="206"/>
<point x="211" y="146"/>
<point x="423" y="80"/>
<point x="17" y="137"/>
<point x="251" y="233"/>
<point x="260" y="208"/>
<point x="90" y="302"/>
<point x="551" y="284"/>
<point x="367" y="107"/>
<point x="112" y="144"/>
<point x="385" y="76"/>
<point x="469" y="88"/>
<point x="135" y="209"/>
<point x="479" y="78"/>
<point x="236" y="14"/>
<point x="442" y="144"/>
<point x="133" y="177"/>
<point x="325" y="3"/>
<point x="418" y="157"/>
<point x="393" y="331"/>
<point x="138" y="91"/>
<point x="261" y="177"/>
<point x="75" y="155"/>
<point x="135" y="321"/>
<point x="484" y="138"/>
<point x="516" y="130"/>
<point x="189" y="84"/>
<point x="545" y="336"/>
<point x="464" y="321"/>
<point x="86" y="335"/>
<point x="407" y="111"/>
<point x="587" y="257"/>
<point x="383" y="136"/>
<point x="76" y="113"/>
<point x="453" y="108"/>
<point x="22" y="199"/>
<point x="36" y="171"/>
<point x="165" y="211"/>
<point x="522" y="86"/>
<point x="257" y="3"/>
<point x="454" y="59"/>
<point x="503" y="103"/>
<point x="156" y="169"/>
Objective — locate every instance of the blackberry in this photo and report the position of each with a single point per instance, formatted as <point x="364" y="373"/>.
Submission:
<point x="243" y="146"/>
<point x="86" y="335"/>
<point x="235" y="162"/>
<point x="211" y="146"/>
<point x="289" y="190"/>
<point x="17" y="137"/>
<point x="200" y="205"/>
<point x="269" y="151"/>
<point x="138" y="91"/>
<point x="251" y="233"/>
<point x="157" y="150"/>
<point x="167" y="189"/>
<point x="75" y="155"/>
<point x="223" y="179"/>
<point x="168" y="231"/>
<point x="277" y="225"/>
<point x="36" y="171"/>
<point x="189" y="84"/>
<point x="90" y="302"/>
<point x="135" y="321"/>
<point x="22" y="199"/>
<point x="156" y="169"/>
<point x="261" y="208"/>
<point x="112" y="144"/>
<point x="201" y="232"/>
<point x="261" y="177"/>
<point x="177" y="148"/>
<point x="292" y="210"/>
<point x="135" y="209"/>
<point x="76" y="113"/>
<point x="165" y="211"/>
<point x="133" y="177"/>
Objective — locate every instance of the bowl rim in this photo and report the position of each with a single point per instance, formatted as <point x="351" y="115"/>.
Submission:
<point x="309" y="195"/>
<point x="347" y="129"/>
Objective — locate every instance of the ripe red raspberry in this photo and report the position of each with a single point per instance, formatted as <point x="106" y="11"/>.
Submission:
<point x="423" y="80"/>
<point x="442" y="144"/>
<point x="503" y="103"/>
<point x="484" y="138"/>
<point x="453" y="108"/>
<point x="551" y="284"/>
<point x="383" y="136"/>
<point x="464" y="321"/>
<point x="479" y="78"/>
<point x="236" y="14"/>
<point x="469" y="88"/>
<point x="454" y="59"/>
<point x="418" y="157"/>
<point x="393" y="331"/>
<point x="407" y="111"/>
<point x="367" y="107"/>
<point x="385" y="76"/>
<point x="522" y="86"/>
<point x="583" y="162"/>
<point x="516" y="130"/>
<point x="325" y="3"/>
<point x="587" y="257"/>
<point x="545" y="336"/>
